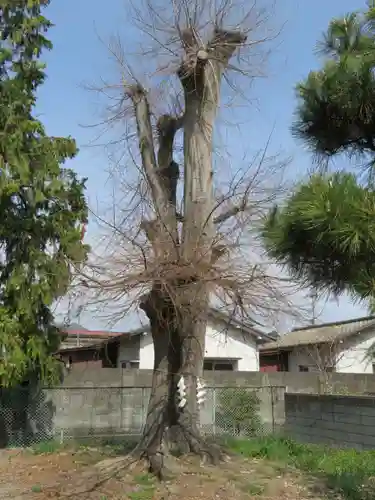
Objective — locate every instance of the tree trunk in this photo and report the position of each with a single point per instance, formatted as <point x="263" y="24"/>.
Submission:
<point x="192" y="336"/>
<point x="178" y="352"/>
<point x="177" y="310"/>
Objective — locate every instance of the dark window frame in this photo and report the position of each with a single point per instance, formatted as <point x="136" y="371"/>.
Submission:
<point x="303" y="368"/>
<point x="212" y="364"/>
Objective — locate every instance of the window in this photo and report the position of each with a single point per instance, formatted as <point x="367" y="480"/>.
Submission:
<point x="220" y="365"/>
<point x="303" y="368"/>
<point x="130" y="365"/>
<point x="228" y="367"/>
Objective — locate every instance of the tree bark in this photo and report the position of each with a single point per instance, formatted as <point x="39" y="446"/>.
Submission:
<point x="177" y="353"/>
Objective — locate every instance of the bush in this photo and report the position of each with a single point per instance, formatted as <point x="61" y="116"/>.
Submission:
<point x="237" y="412"/>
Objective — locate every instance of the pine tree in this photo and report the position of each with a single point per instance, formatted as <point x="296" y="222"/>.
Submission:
<point x="42" y="203"/>
<point x="325" y="232"/>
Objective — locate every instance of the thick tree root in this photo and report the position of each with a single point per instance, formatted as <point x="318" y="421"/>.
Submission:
<point x="177" y="441"/>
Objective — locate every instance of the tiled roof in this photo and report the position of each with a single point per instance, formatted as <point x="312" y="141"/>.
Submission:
<point x="319" y="334"/>
<point x="91" y="338"/>
<point x="252" y="329"/>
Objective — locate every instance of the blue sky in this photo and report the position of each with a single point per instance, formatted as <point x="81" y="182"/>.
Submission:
<point x="80" y="57"/>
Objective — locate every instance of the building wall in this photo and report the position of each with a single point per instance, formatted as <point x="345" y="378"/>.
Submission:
<point x="274" y="362"/>
<point x="301" y="357"/>
<point x="128" y="349"/>
<point x="146" y="354"/>
<point x="352" y="356"/>
<point x="342" y="421"/>
<point x="82" y="357"/>
<point x="230" y="343"/>
<point x="221" y="343"/>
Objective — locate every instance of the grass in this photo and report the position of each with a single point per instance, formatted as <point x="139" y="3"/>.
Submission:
<point x="348" y="472"/>
<point x="145" y="488"/>
<point x="36" y="488"/>
<point x="47" y="447"/>
<point x="253" y="489"/>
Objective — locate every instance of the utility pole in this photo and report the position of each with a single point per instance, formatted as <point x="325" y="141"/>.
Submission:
<point x="314" y="298"/>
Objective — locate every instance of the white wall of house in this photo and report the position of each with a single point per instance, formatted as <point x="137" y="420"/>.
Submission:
<point x="352" y="357"/>
<point x="230" y="343"/>
<point x="301" y="357"/>
<point x="129" y="349"/>
<point x="221" y="343"/>
<point x="146" y="353"/>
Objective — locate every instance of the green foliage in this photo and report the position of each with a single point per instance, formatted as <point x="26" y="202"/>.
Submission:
<point x="336" y="104"/>
<point x="145" y="487"/>
<point x="324" y="233"/>
<point x="36" y="488"/>
<point x="349" y="472"/>
<point x="42" y="203"/>
<point x="238" y="412"/>
<point x="47" y="447"/>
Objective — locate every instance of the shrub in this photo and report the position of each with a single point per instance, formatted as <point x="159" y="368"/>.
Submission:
<point x="237" y="412"/>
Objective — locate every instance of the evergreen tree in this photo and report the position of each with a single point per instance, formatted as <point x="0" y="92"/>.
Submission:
<point x="42" y="203"/>
<point x="325" y="231"/>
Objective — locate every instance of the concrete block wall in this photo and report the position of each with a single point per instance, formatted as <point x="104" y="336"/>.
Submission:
<point x="311" y="383"/>
<point x="101" y="401"/>
<point x="98" y="410"/>
<point x="107" y="401"/>
<point x="103" y="411"/>
<point x="114" y="400"/>
<point x="341" y="421"/>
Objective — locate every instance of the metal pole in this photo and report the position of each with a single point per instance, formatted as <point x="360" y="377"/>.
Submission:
<point x="272" y="410"/>
<point x="214" y="410"/>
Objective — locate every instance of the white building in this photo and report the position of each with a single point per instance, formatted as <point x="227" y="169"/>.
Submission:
<point x="342" y="347"/>
<point x="230" y="345"/>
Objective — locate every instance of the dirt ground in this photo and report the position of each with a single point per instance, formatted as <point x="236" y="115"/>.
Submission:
<point x="87" y="474"/>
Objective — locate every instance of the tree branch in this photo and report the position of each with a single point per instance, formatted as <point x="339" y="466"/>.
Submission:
<point x="150" y="229"/>
<point x="161" y="178"/>
<point x="220" y="49"/>
<point x="146" y="144"/>
<point x="224" y="43"/>
<point x="217" y="252"/>
<point x="232" y="212"/>
<point x="169" y="172"/>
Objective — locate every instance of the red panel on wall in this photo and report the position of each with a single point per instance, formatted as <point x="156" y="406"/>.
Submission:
<point x="270" y="368"/>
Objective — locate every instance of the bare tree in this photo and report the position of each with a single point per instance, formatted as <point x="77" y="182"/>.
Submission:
<point x="323" y="358"/>
<point x="320" y="358"/>
<point x="175" y="249"/>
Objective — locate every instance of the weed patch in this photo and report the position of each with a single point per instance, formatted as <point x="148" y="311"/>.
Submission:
<point x="349" y="472"/>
